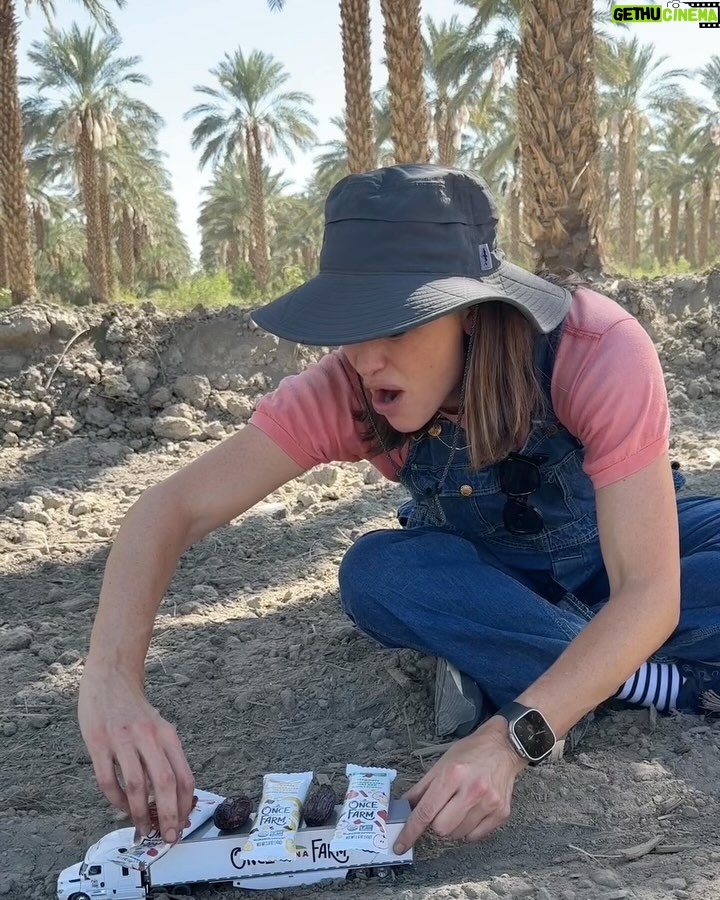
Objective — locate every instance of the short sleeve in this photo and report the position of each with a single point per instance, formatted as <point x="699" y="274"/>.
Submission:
<point x="311" y="415"/>
<point x="610" y="393"/>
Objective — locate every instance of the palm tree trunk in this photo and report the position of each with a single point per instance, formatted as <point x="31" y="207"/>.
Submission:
<point x="514" y="245"/>
<point x="445" y="130"/>
<point x="106" y="219"/>
<point x="93" y="219"/>
<point x="712" y="227"/>
<point x="127" y="255"/>
<point x="558" y="133"/>
<point x="704" y="229"/>
<point x="20" y="268"/>
<point x="674" y="224"/>
<point x="690" y="232"/>
<point x="657" y="236"/>
<point x="626" y="164"/>
<point x="38" y="226"/>
<point x="408" y="102"/>
<point x="3" y="260"/>
<point x="359" y="130"/>
<point x="257" y="207"/>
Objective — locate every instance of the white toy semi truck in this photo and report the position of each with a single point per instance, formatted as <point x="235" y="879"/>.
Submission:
<point x="208" y="856"/>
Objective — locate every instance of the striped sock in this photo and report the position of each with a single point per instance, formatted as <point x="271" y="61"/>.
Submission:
<point x="654" y="684"/>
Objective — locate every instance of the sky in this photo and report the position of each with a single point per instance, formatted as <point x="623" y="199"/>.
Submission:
<point x="180" y="40"/>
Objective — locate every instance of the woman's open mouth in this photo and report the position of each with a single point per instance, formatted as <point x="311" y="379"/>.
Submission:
<point x="385" y="400"/>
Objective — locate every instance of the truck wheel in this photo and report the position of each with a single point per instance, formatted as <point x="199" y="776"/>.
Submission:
<point x="183" y="890"/>
<point x="79" y="897"/>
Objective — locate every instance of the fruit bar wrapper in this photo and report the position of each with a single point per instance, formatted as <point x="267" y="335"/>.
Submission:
<point x="363" y="820"/>
<point x="272" y="836"/>
<point x="146" y="850"/>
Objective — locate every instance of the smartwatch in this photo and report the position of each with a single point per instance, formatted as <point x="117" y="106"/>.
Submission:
<point x="529" y="732"/>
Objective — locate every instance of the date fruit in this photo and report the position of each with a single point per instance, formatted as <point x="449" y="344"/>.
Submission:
<point x="232" y="813"/>
<point x="319" y="806"/>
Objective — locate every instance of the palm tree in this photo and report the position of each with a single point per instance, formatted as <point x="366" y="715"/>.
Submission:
<point x="249" y="111"/>
<point x="631" y="90"/>
<point x="355" y="33"/>
<point x="558" y="133"/>
<point x="87" y="110"/>
<point x="20" y="272"/>
<point x="454" y="66"/>
<point x="706" y="152"/>
<point x="404" y="57"/>
<point x="333" y="162"/>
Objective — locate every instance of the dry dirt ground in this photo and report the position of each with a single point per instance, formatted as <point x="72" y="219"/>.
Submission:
<point x="254" y="662"/>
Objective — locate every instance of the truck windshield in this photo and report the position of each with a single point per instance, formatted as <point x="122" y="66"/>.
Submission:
<point x="83" y="869"/>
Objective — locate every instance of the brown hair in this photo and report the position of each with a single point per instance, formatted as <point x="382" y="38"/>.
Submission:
<point x="503" y="395"/>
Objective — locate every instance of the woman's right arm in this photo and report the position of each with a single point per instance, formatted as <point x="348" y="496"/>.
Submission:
<point x="120" y="728"/>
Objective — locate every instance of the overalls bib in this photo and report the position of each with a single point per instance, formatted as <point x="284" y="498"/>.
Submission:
<point x="470" y="503"/>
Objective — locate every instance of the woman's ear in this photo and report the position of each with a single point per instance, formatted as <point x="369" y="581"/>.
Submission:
<point x="468" y="317"/>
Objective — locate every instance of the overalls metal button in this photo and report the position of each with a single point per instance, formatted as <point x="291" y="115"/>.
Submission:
<point x="435" y="430"/>
<point x="466" y="490"/>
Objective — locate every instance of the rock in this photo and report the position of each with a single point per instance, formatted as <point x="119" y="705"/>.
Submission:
<point x="215" y="431"/>
<point x="691" y="812"/>
<point x="99" y="415"/>
<point x="13" y="426"/>
<point x="673" y="883"/>
<point x="11" y="440"/>
<point x="140" y="368"/>
<point x="239" y="407"/>
<point x="606" y="878"/>
<point x="24" y="509"/>
<point x="178" y="411"/>
<point x="193" y="388"/>
<point x="68" y="422"/>
<point x="204" y="592"/>
<point x="116" y="386"/>
<point x="140" y="384"/>
<point x="38" y="721"/>
<point x="23" y="328"/>
<point x="175" y="429"/>
<point x="140" y="425"/>
<point x="180" y="678"/>
<point x="523" y="889"/>
<point x="306" y="499"/>
<point x="41" y="410"/>
<point x="323" y="475"/>
<point x="159" y="398"/>
<point x="18" y="638"/>
<point x="9" y="729"/>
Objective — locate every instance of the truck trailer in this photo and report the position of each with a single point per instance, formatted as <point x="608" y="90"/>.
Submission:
<point x="208" y="856"/>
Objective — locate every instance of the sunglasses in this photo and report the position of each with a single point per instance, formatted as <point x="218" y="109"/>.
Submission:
<point x="519" y="478"/>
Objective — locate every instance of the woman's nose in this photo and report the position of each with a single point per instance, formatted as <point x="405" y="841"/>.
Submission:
<point x="367" y="358"/>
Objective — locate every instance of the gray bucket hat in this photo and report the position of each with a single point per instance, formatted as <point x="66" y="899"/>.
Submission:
<point x="402" y="246"/>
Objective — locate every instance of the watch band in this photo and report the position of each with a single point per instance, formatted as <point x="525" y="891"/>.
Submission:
<point x="512" y="710"/>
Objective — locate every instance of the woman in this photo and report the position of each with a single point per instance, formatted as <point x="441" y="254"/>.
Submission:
<point x="543" y="558"/>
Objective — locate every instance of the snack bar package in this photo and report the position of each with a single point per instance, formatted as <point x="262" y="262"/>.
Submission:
<point x="273" y="833"/>
<point x="362" y="822"/>
<point x="145" y="850"/>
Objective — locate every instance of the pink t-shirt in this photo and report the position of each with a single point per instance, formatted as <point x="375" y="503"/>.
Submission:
<point x="607" y="389"/>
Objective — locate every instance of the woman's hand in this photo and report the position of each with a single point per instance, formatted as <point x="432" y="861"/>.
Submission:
<point x="467" y="792"/>
<point x="123" y="731"/>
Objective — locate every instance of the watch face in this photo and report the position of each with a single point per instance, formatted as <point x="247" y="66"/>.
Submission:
<point x="534" y="734"/>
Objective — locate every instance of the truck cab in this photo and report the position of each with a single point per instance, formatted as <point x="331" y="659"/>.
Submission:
<point x="95" y="878"/>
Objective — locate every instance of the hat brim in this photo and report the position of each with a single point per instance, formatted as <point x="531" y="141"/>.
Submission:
<point x="339" y="308"/>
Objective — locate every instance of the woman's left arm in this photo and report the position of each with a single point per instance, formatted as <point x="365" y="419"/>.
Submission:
<point x="638" y="524"/>
<point x="467" y="792"/>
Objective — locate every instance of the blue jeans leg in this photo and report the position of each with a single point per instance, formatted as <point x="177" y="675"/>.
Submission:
<point x="697" y="636"/>
<point x="434" y="592"/>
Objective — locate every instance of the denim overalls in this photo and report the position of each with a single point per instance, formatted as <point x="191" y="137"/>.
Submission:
<point x="454" y="582"/>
